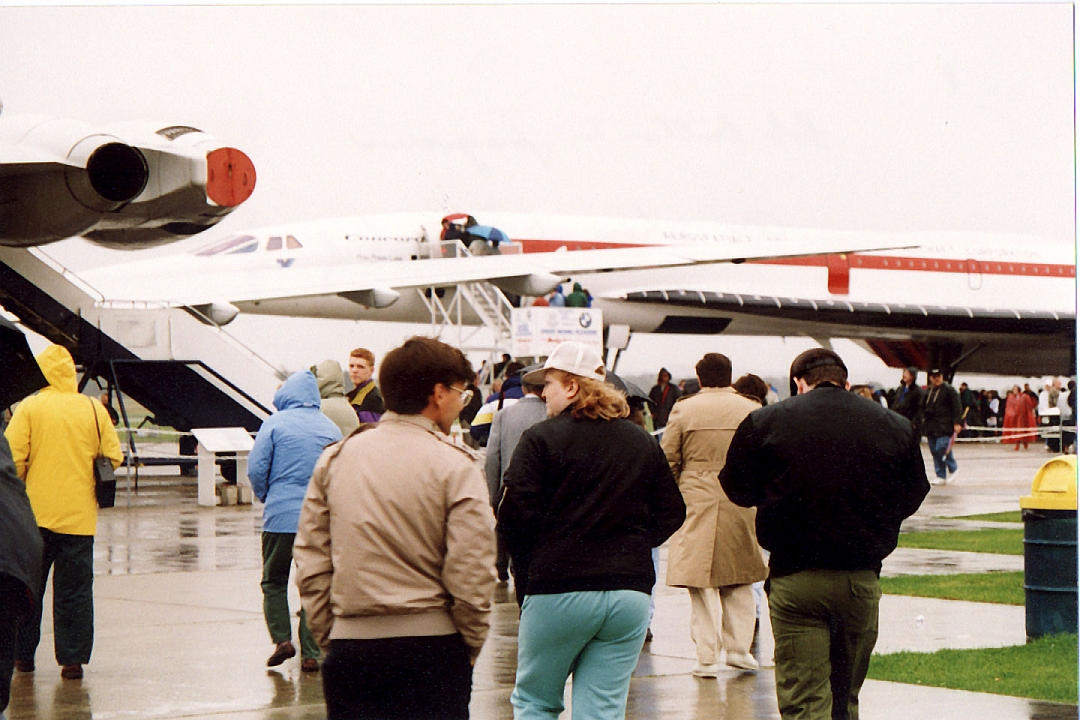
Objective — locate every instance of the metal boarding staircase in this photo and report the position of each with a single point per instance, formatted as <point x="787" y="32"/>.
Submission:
<point x="483" y="300"/>
<point x="185" y="370"/>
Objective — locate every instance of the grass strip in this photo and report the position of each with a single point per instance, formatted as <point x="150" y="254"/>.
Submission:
<point x="1003" y="541"/>
<point x="1005" y="588"/>
<point x="1012" y="516"/>
<point x="1044" y="669"/>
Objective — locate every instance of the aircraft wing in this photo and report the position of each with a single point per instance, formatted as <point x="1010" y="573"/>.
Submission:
<point x="867" y="319"/>
<point x="523" y="274"/>
<point x="987" y="340"/>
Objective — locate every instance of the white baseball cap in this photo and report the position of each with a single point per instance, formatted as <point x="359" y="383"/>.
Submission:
<point x="573" y="357"/>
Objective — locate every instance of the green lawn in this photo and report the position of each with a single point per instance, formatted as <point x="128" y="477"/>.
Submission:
<point x="1003" y="541"/>
<point x="1045" y="669"/>
<point x="993" y="587"/>
<point x="1012" y="516"/>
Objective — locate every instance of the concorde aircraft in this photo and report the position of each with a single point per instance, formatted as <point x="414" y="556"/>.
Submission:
<point x="993" y="303"/>
<point x="126" y="186"/>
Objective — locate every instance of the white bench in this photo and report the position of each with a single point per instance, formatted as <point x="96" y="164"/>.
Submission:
<point x="212" y="443"/>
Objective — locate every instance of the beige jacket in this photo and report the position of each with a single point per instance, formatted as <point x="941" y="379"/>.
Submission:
<point x="717" y="544"/>
<point x="397" y="537"/>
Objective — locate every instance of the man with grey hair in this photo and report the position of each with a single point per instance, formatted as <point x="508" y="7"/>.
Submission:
<point x="506" y="429"/>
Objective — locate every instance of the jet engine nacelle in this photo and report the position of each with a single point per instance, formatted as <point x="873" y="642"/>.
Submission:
<point x="218" y="313"/>
<point x="377" y="298"/>
<point x="129" y="187"/>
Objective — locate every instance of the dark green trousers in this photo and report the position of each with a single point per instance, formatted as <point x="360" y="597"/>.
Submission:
<point x="71" y="558"/>
<point x="277" y="562"/>
<point x="825" y="623"/>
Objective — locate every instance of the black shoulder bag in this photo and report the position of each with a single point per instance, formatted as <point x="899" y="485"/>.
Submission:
<point x="104" y="478"/>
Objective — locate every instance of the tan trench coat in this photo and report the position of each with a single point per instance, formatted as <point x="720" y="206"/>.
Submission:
<point x="716" y="545"/>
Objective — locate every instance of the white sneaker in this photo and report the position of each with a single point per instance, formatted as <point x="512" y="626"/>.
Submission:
<point x="706" y="671"/>
<point x="952" y="476"/>
<point x="936" y="481"/>
<point x="743" y="661"/>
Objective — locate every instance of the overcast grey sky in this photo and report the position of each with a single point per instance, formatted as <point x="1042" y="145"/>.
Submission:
<point x="857" y="117"/>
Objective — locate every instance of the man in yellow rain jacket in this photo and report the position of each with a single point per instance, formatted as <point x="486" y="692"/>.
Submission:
<point x="53" y="442"/>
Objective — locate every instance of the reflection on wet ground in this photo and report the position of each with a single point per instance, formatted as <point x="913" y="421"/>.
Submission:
<point x="172" y="539"/>
<point x="180" y="634"/>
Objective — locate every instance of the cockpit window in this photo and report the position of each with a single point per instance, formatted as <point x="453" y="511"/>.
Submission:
<point x="240" y="242"/>
<point x="273" y="243"/>
<point x="249" y="248"/>
<point x="292" y="243"/>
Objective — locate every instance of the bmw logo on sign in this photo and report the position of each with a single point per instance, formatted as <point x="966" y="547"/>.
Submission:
<point x="585" y="319"/>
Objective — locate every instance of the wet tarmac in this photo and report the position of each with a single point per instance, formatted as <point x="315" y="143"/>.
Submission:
<point x="180" y="634"/>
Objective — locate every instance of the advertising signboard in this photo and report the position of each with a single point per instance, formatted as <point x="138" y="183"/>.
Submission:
<point x="537" y="330"/>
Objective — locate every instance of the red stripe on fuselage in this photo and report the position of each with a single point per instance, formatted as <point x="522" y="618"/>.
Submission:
<point x="867" y="262"/>
<point x="536" y="246"/>
<point x="893" y="262"/>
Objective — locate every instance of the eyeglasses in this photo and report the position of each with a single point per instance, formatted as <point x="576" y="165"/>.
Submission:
<point x="466" y="394"/>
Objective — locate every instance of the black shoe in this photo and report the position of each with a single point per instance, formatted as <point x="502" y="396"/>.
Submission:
<point x="309" y="665"/>
<point x="282" y="652"/>
<point x="26" y="666"/>
<point x="71" y="672"/>
<point x="648" y="635"/>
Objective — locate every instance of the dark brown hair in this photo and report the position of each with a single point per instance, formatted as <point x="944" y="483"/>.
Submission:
<point x="752" y="387"/>
<point x="409" y="374"/>
<point x="714" y="370"/>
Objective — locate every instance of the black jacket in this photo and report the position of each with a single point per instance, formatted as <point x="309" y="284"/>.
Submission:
<point x="832" y="476"/>
<point x="20" y="539"/>
<point x="940" y="410"/>
<point x="663" y="402"/>
<point x="585" y="503"/>
<point x="909" y="402"/>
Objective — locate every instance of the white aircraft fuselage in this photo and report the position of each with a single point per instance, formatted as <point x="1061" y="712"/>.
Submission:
<point x="945" y="287"/>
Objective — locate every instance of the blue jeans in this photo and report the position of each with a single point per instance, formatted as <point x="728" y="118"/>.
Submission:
<point x="942" y="460"/>
<point x="596" y="636"/>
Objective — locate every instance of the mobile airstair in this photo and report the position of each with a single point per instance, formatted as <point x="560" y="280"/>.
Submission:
<point x="182" y="368"/>
<point x="476" y="316"/>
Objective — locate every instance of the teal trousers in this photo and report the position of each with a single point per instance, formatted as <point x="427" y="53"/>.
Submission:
<point x="825" y="623"/>
<point x="594" y="636"/>
<point x="277" y="562"/>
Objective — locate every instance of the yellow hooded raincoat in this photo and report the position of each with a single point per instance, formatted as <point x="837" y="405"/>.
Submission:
<point x="53" y="443"/>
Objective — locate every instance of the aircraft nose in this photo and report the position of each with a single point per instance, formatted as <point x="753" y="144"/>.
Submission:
<point x="230" y="176"/>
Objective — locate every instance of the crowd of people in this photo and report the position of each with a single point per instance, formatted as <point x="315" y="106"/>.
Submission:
<point x="399" y="505"/>
<point x="1017" y="416"/>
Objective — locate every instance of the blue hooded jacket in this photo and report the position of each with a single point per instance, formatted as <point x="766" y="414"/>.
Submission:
<point x="286" y="448"/>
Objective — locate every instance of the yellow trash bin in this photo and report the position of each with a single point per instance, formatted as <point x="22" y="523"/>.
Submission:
<point x="1050" y="578"/>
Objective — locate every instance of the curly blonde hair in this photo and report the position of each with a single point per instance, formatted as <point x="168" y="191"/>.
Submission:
<point x="596" y="399"/>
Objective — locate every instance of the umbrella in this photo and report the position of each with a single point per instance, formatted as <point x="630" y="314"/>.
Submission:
<point x="628" y="388"/>
<point x="492" y="234"/>
<point x="469" y="219"/>
<point x="21" y="375"/>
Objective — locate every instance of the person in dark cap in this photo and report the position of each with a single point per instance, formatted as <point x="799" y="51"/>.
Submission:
<point x="942" y="420"/>
<point x="507" y="427"/>
<point x="908" y="397"/>
<point x="832" y="476"/>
